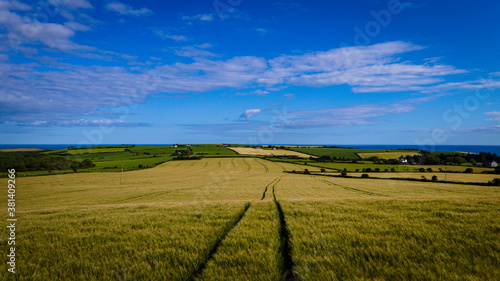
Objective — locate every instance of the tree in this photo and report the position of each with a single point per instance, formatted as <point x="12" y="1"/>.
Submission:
<point x="421" y="170"/>
<point x="458" y="160"/>
<point x="469" y="170"/>
<point x="434" y="178"/>
<point x="365" y="176"/>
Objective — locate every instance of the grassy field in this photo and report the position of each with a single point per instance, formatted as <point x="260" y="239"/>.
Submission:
<point x="244" y="219"/>
<point x="267" y="152"/>
<point x="20" y="149"/>
<point x="348" y="153"/>
<point x="388" y="155"/>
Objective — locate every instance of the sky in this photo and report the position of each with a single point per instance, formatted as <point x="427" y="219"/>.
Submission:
<point x="251" y="72"/>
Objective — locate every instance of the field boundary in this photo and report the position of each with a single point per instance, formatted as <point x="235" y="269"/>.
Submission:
<point x="398" y="179"/>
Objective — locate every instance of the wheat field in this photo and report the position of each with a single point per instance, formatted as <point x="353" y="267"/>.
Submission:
<point x="245" y="219"/>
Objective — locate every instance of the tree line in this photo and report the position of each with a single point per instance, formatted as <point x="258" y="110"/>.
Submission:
<point x="33" y="161"/>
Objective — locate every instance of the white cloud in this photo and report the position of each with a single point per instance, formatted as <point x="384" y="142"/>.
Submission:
<point x="249" y="113"/>
<point x="14" y="5"/>
<point x="262" y="31"/>
<point x="257" y="92"/>
<point x="200" y="17"/>
<point x="81" y="123"/>
<point x="70" y="90"/>
<point x="495" y="113"/>
<point x="77" y="26"/>
<point x="72" y="4"/>
<point x="125" y="9"/>
<point x="53" y="35"/>
<point x="169" y="36"/>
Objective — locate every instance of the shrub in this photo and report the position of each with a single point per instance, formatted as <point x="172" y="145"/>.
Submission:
<point x="357" y="170"/>
<point x="293" y="171"/>
<point x="306" y="171"/>
<point x="368" y="170"/>
<point x="393" y="170"/>
<point x="377" y="169"/>
<point x="365" y="176"/>
<point x="429" y="170"/>
<point x="495" y="181"/>
<point x="434" y="178"/>
<point x="424" y="178"/>
<point x="469" y="170"/>
<point x="421" y="170"/>
<point x="141" y="166"/>
<point x="323" y="170"/>
<point x="344" y="174"/>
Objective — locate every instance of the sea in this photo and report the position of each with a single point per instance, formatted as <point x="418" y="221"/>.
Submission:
<point x="458" y="148"/>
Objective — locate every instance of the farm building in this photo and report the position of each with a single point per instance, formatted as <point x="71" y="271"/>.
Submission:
<point x="492" y="164"/>
<point x="401" y="159"/>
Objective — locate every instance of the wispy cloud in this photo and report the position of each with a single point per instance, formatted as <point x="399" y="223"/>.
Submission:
<point x="257" y="92"/>
<point x="81" y="123"/>
<point x="373" y="68"/>
<point x="72" y="4"/>
<point x="200" y="17"/>
<point x="493" y="113"/>
<point x="23" y="29"/>
<point x="125" y="9"/>
<point x="170" y="36"/>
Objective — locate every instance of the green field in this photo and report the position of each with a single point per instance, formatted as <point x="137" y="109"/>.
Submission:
<point x="348" y="153"/>
<point x="388" y="155"/>
<point x="245" y="219"/>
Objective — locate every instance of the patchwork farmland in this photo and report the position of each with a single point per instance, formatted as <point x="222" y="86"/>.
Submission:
<point x="245" y="219"/>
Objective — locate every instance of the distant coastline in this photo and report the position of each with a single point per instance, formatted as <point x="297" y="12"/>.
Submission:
<point x="454" y="148"/>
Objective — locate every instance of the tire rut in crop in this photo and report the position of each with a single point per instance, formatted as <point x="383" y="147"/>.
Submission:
<point x="265" y="190"/>
<point x="199" y="269"/>
<point x="266" y="169"/>
<point x="354" y="189"/>
<point x="285" y="249"/>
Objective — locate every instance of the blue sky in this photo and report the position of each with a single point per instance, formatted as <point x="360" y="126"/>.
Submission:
<point x="239" y="71"/>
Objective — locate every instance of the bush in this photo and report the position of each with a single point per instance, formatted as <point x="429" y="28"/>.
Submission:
<point x="357" y="170"/>
<point x="386" y="170"/>
<point x="393" y="170"/>
<point x="293" y="171"/>
<point x="141" y="166"/>
<point x="421" y="170"/>
<point x="469" y="170"/>
<point x="323" y="170"/>
<point x="368" y="170"/>
<point x="434" y="178"/>
<point x="377" y="170"/>
<point x="365" y="176"/>
<point x="495" y="181"/>
<point x="344" y="174"/>
<point x="306" y="171"/>
<point x="429" y="170"/>
<point x="424" y="178"/>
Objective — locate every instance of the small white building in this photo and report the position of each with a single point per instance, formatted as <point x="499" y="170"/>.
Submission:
<point x="492" y="164"/>
<point x="401" y="159"/>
